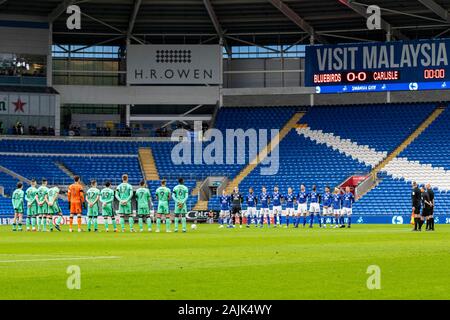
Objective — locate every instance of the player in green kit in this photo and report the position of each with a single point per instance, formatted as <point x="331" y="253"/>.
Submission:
<point x="144" y="202"/>
<point x="17" y="202"/>
<point x="53" y="208"/>
<point x="180" y="194"/>
<point x="163" y="196"/>
<point x="30" y="196"/>
<point x="92" y="198"/>
<point x="124" y="194"/>
<point x="41" y="199"/>
<point x="106" y="200"/>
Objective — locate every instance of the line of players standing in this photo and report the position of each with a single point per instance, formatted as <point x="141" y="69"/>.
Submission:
<point x="334" y="205"/>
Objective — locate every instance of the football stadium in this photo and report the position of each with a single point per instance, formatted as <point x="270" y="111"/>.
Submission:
<point x="224" y="150"/>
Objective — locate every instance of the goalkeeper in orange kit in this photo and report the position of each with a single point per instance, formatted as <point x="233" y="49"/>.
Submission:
<point x="75" y="196"/>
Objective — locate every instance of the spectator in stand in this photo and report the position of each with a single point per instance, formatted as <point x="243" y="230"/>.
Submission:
<point x="18" y="128"/>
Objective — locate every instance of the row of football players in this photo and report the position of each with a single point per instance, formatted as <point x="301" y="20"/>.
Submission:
<point x="42" y="205"/>
<point x="336" y="204"/>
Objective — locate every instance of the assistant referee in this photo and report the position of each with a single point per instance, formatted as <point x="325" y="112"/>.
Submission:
<point x="426" y="207"/>
<point x="415" y="199"/>
<point x="430" y="220"/>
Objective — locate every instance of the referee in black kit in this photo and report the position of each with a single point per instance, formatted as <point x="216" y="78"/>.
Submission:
<point x="416" y="199"/>
<point x="426" y="206"/>
<point x="430" y="220"/>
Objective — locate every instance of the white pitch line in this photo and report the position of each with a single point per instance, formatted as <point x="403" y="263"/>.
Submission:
<point x="60" y="259"/>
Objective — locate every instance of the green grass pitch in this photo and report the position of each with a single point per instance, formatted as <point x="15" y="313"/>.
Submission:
<point x="212" y="263"/>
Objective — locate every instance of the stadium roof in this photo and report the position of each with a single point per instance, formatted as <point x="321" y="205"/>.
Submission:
<point x="237" y="22"/>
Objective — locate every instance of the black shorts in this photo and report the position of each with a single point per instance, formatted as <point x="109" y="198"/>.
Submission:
<point x="426" y="212"/>
<point x="235" y="210"/>
<point x="416" y="209"/>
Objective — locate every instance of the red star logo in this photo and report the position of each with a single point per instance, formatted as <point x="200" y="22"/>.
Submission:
<point x="19" y="105"/>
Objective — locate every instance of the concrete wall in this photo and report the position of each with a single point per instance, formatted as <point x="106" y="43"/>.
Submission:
<point x="187" y="95"/>
<point x="26" y="37"/>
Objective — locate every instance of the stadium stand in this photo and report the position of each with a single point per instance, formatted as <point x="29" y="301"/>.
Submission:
<point x="66" y="146"/>
<point x="391" y="196"/>
<point x="8" y="183"/>
<point x="256" y="118"/>
<point x="425" y="160"/>
<point x="35" y="167"/>
<point x="379" y="126"/>
<point x="302" y="161"/>
<point x="104" y="168"/>
<point x="345" y="138"/>
<point x="433" y="144"/>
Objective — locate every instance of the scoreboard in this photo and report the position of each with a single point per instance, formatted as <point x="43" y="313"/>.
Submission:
<point x="378" y="66"/>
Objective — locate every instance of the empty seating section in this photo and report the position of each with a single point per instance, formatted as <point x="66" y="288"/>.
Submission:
<point x="256" y="118"/>
<point x="302" y="161"/>
<point x="68" y="146"/>
<point x="433" y="145"/>
<point x="6" y="207"/>
<point x="37" y="167"/>
<point x="104" y="168"/>
<point x="426" y="159"/>
<point x="8" y="183"/>
<point x="382" y="127"/>
<point x="171" y="170"/>
<point x="393" y="196"/>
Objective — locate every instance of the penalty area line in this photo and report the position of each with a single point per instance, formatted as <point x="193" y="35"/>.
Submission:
<point x="59" y="259"/>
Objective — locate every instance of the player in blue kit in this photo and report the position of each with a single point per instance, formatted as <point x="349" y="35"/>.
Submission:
<point x="314" y="206"/>
<point x="264" y="199"/>
<point x="327" y="211"/>
<point x="302" y="199"/>
<point x="252" y="201"/>
<point x="347" y="203"/>
<point x="337" y="205"/>
<point x="290" y="200"/>
<point x="225" y="202"/>
<point x="276" y="209"/>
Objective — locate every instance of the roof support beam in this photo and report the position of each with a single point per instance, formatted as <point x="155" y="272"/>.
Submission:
<point x="62" y="7"/>
<point x="252" y="44"/>
<point x="137" y="5"/>
<point x="384" y="25"/>
<point x="217" y="26"/>
<point x="436" y="8"/>
<point x="295" y="18"/>
<point x="112" y="27"/>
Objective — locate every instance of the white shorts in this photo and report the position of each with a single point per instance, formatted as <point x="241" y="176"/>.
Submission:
<point x="302" y="208"/>
<point x="314" y="207"/>
<point x="347" y="211"/>
<point x="277" y="210"/>
<point x="290" y="211"/>
<point x="337" y="211"/>
<point x="224" y="213"/>
<point x="264" y="212"/>
<point x="327" y="211"/>
<point x="251" y="211"/>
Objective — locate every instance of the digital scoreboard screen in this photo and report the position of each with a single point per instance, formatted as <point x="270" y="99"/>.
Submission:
<point x="410" y="65"/>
